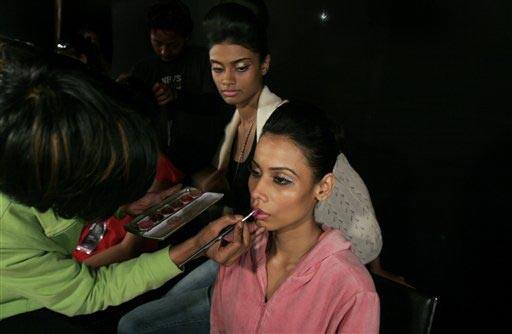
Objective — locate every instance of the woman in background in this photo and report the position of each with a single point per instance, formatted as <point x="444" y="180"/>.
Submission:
<point x="240" y="60"/>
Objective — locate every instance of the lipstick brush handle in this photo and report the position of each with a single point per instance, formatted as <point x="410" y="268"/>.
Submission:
<point x="203" y="248"/>
<point x="207" y="245"/>
<point x="225" y="231"/>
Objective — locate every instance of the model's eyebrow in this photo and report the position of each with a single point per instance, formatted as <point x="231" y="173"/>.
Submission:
<point x="213" y="61"/>
<point x="279" y="169"/>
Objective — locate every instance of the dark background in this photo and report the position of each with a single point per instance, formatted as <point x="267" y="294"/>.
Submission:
<point x="421" y="88"/>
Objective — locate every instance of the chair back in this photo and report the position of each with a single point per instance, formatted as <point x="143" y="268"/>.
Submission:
<point x="404" y="309"/>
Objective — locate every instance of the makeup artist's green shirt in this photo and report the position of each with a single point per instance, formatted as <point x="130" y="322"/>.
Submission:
<point x="37" y="270"/>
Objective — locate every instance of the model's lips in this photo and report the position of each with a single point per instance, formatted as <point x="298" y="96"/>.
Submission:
<point x="229" y="93"/>
<point x="260" y="214"/>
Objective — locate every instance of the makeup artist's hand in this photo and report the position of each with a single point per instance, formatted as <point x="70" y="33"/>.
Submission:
<point x="227" y="252"/>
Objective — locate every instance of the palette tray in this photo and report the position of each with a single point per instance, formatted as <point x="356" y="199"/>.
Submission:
<point x="173" y="213"/>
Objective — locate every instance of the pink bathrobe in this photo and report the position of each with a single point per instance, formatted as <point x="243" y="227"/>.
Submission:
<point x="329" y="291"/>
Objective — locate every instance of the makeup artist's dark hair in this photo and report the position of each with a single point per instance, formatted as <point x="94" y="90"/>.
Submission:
<point x="171" y="15"/>
<point x="16" y="50"/>
<point x="311" y="130"/>
<point x="70" y="143"/>
<point x="237" y="24"/>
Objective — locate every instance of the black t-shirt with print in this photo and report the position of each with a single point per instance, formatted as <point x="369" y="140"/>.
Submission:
<point x="193" y="125"/>
<point x="189" y="73"/>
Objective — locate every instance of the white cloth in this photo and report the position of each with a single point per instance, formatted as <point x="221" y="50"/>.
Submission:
<point x="349" y="207"/>
<point x="267" y="103"/>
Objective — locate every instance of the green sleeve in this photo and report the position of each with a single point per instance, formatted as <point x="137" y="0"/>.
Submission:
<point x="37" y="269"/>
<point x="66" y="286"/>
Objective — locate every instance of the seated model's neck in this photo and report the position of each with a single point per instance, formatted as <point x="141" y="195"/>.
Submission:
<point x="292" y="243"/>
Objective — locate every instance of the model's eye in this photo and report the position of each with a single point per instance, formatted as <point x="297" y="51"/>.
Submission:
<point x="281" y="180"/>
<point x="217" y="69"/>
<point x="255" y="172"/>
<point x="242" y="68"/>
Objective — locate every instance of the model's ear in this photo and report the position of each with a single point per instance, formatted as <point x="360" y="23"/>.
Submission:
<point x="265" y="66"/>
<point x="324" y="188"/>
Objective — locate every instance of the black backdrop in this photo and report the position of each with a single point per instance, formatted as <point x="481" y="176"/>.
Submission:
<point x="421" y="88"/>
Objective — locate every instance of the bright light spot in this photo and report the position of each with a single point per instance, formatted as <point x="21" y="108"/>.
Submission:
<point x="61" y="46"/>
<point x="323" y="16"/>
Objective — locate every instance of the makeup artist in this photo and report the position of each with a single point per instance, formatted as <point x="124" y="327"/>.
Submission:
<point x="72" y="150"/>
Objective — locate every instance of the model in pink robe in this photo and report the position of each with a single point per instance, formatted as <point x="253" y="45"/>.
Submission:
<point x="329" y="291"/>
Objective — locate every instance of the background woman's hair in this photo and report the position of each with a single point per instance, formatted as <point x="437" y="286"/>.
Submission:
<point x="70" y="143"/>
<point x="237" y="24"/>
<point x="310" y="129"/>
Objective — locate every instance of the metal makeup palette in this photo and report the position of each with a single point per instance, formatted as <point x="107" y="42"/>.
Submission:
<point x="173" y="213"/>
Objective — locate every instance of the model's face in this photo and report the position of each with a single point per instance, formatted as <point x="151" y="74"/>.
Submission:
<point x="237" y="73"/>
<point x="166" y="43"/>
<point x="281" y="184"/>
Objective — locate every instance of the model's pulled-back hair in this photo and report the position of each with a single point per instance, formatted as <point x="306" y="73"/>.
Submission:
<point x="70" y="143"/>
<point x="237" y="24"/>
<point x="171" y="15"/>
<point x="310" y="129"/>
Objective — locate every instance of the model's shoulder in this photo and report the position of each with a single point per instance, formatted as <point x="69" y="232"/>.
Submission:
<point x="344" y="270"/>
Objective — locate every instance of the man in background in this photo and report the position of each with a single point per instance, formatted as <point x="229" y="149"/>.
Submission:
<point x="192" y="114"/>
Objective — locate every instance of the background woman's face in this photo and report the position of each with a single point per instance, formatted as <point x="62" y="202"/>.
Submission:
<point x="237" y="73"/>
<point x="281" y="184"/>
